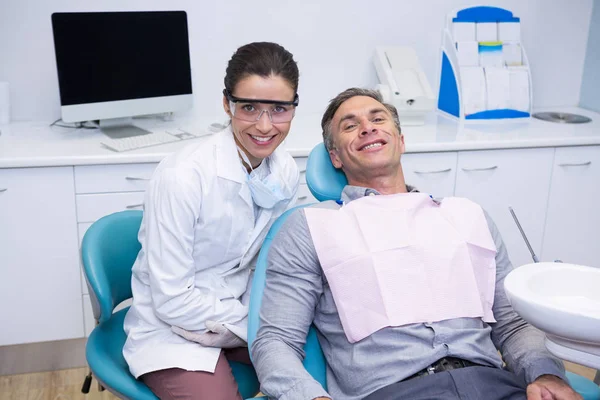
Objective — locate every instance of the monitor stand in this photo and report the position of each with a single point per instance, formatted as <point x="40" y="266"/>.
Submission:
<point x="117" y="128"/>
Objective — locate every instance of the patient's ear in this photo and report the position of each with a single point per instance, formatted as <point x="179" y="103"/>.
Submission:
<point x="402" y="144"/>
<point x="335" y="159"/>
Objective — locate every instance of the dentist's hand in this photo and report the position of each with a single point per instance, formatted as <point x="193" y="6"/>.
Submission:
<point x="217" y="336"/>
<point x="550" y="387"/>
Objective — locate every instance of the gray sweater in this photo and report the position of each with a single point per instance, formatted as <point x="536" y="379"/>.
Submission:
<point x="297" y="294"/>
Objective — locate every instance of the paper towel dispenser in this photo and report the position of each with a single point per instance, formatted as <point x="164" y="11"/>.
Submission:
<point x="403" y="83"/>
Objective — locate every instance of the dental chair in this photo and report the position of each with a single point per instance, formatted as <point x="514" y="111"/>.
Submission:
<point x="108" y="251"/>
<point x="326" y="183"/>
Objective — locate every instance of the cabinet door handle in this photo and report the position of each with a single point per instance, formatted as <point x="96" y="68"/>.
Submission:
<point x="302" y="197"/>
<point x="480" y="169"/>
<point x="3" y="190"/>
<point x="135" y="178"/>
<point x="575" y="164"/>
<point x="134" y="206"/>
<point x="302" y="170"/>
<point x="439" y="171"/>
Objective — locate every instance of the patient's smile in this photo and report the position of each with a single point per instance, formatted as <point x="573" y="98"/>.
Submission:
<point x="373" y="145"/>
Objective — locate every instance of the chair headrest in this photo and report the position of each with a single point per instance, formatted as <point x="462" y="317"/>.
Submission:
<point x="324" y="181"/>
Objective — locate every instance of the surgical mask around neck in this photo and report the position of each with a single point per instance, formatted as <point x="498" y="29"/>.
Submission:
<point x="266" y="192"/>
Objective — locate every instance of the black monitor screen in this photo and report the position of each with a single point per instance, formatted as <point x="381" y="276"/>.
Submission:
<point x="110" y="56"/>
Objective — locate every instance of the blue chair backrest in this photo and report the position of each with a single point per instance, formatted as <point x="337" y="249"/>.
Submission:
<point x="108" y="251"/>
<point x="324" y="181"/>
<point x="314" y="361"/>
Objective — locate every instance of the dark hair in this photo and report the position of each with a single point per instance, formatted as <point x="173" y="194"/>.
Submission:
<point x="263" y="59"/>
<point x="347" y="94"/>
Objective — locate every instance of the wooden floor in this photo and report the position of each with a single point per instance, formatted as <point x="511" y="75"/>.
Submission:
<point x="55" y="385"/>
<point x="66" y="385"/>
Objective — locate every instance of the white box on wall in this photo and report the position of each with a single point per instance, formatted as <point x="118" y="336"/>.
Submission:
<point x="468" y="53"/>
<point x="486" y="31"/>
<point x="509" y="31"/>
<point x="511" y="54"/>
<point x="464" y="31"/>
<point x="519" y="88"/>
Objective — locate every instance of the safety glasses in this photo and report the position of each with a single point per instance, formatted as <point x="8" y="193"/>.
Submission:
<point x="251" y="110"/>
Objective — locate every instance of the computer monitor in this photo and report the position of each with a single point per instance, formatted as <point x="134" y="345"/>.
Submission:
<point x="116" y="65"/>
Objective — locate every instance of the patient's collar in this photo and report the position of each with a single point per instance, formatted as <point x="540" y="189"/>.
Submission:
<point x="356" y="192"/>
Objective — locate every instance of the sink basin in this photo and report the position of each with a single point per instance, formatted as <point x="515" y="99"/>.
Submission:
<point x="563" y="300"/>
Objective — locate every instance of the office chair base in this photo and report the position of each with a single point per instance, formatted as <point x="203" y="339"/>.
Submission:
<point x="87" y="382"/>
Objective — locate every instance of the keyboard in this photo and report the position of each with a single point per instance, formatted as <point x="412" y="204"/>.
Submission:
<point x="150" y="139"/>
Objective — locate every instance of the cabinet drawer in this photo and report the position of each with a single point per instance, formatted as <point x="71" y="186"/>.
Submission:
<point x="433" y="173"/>
<point x="113" y="178"/>
<point x="39" y="283"/>
<point x="91" y="207"/>
<point x="301" y="162"/>
<point x="571" y="233"/>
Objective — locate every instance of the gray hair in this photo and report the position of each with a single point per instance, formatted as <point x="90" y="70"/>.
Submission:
<point x="337" y="101"/>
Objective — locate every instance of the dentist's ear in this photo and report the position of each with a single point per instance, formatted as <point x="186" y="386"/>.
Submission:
<point x="226" y="107"/>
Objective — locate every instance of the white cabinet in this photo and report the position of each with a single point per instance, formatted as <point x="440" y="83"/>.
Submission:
<point x="432" y="173"/>
<point x="572" y="232"/>
<point x="40" y="290"/>
<point x="497" y="179"/>
<point x="42" y="210"/>
<point x="102" y="190"/>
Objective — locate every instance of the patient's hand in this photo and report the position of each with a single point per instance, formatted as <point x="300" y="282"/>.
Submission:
<point x="550" y="387"/>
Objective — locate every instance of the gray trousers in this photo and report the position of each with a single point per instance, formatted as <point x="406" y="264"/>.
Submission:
<point x="470" y="383"/>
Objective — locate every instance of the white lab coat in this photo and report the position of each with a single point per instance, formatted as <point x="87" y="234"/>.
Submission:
<point x="199" y="243"/>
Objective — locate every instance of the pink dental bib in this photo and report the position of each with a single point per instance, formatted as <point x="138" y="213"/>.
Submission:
<point x="393" y="260"/>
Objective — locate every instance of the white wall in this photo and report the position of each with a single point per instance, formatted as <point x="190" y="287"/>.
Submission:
<point x="332" y="40"/>
<point x="590" y="84"/>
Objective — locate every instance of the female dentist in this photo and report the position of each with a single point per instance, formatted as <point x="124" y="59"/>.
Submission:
<point x="207" y="210"/>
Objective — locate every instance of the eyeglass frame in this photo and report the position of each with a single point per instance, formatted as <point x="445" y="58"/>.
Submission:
<point x="230" y="97"/>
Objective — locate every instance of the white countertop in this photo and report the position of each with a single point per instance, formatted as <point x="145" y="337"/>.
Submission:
<point x="35" y="144"/>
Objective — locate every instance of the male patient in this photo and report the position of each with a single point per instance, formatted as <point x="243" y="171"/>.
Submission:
<point x="405" y="290"/>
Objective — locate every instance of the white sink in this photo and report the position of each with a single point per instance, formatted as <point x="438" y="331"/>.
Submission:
<point x="563" y="300"/>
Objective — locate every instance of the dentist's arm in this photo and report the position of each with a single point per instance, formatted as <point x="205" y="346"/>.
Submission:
<point x="171" y="212"/>
<point x="293" y="287"/>
<point x="522" y="345"/>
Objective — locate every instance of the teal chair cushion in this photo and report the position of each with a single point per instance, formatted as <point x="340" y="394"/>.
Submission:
<point x="585" y="387"/>
<point x="324" y="181"/>
<point x="108" y="251"/>
<point x="104" y="353"/>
